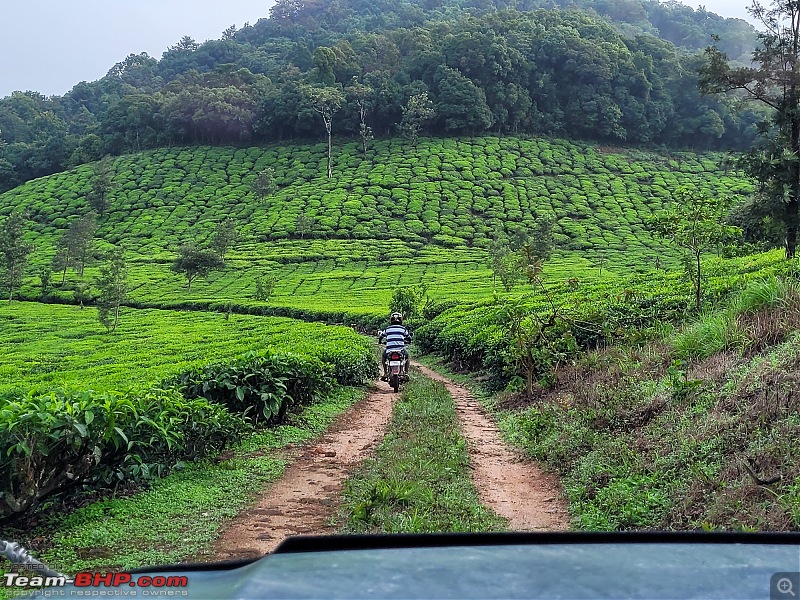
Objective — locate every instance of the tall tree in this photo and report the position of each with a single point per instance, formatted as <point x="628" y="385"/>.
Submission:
<point x="61" y="259"/>
<point x="224" y="235"/>
<point x="326" y="101"/>
<point x="113" y="285"/>
<point x="14" y="252"/>
<point x="360" y="94"/>
<point x="460" y="104"/>
<point x="74" y="246"/>
<point x="417" y="112"/>
<point x="79" y="237"/>
<point x="775" y="83"/>
<point x="101" y="184"/>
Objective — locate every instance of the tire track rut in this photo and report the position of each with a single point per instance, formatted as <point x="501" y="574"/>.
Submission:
<point x="509" y="484"/>
<point x="304" y="499"/>
<point x="308" y="494"/>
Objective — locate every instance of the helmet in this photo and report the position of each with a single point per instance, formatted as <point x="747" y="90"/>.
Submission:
<point x="396" y="318"/>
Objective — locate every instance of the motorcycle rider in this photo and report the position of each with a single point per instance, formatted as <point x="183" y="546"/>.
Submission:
<point x="396" y="337"/>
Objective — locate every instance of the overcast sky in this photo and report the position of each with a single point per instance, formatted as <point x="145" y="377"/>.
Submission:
<point x="729" y="8"/>
<point x="50" y="45"/>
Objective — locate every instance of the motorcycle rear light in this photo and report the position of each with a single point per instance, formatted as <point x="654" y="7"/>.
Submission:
<point x="395" y="357"/>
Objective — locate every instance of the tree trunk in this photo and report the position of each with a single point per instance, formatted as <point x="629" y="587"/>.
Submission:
<point x="792" y="204"/>
<point x="794" y="116"/>
<point x="116" y="317"/>
<point x="697" y="287"/>
<point x="791" y="225"/>
<point x="363" y="114"/>
<point x="330" y="171"/>
<point x="189" y="283"/>
<point x="529" y="381"/>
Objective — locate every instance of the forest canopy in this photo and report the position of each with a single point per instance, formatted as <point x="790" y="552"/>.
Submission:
<point x="614" y="71"/>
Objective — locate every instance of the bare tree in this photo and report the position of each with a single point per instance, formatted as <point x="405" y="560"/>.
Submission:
<point x="326" y="101"/>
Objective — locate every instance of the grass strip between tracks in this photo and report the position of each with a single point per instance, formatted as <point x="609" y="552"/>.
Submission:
<point x="418" y="480"/>
<point x="179" y="516"/>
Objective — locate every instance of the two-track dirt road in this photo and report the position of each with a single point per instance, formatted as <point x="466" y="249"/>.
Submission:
<point x="305" y="499"/>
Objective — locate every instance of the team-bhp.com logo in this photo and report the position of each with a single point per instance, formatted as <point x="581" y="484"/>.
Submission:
<point x="24" y="583"/>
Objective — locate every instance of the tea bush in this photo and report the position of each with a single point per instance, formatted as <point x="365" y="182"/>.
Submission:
<point x="259" y="386"/>
<point x="51" y="442"/>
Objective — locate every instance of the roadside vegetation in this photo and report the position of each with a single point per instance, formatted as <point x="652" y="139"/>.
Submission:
<point x="178" y="517"/>
<point x="694" y="429"/>
<point x="89" y="412"/>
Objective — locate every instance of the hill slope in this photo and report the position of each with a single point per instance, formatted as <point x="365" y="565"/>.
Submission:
<point x="404" y="215"/>
<point x="485" y="66"/>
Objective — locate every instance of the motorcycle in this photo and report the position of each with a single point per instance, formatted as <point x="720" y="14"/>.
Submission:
<point x="397" y="371"/>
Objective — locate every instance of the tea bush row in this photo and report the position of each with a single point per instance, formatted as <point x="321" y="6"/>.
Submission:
<point x="51" y="346"/>
<point x="450" y="193"/>
<point x="628" y="309"/>
<point x="52" y="440"/>
<point x="55" y="441"/>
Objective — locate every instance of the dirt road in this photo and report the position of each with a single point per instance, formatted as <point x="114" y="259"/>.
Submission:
<point x="513" y="487"/>
<point x="306" y="497"/>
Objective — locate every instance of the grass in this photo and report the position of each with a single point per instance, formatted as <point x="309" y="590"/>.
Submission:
<point x="645" y="441"/>
<point x="418" y="480"/>
<point x="179" y="516"/>
<point x="743" y="325"/>
<point x="661" y="436"/>
<point x="711" y="334"/>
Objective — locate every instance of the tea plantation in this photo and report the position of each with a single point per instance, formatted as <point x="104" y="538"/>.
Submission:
<point x="175" y="385"/>
<point x="402" y="216"/>
<point x="82" y="406"/>
<point x="51" y="346"/>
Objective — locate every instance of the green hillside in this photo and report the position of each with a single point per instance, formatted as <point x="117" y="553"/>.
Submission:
<point x="404" y="215"/>
<point x="594" y="70"/>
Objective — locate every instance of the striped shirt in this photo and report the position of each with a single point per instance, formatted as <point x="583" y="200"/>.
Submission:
<point x="396" y="337"/>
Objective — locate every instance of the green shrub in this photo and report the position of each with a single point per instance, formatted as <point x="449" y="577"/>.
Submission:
<point x="761" y="293"/>
<point x="52" y="442"/>
<point x="259" y="386"/>
<point x="712" y="334"/>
